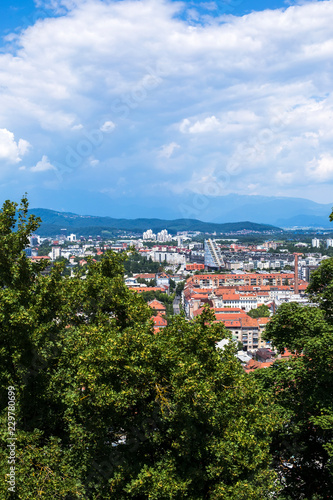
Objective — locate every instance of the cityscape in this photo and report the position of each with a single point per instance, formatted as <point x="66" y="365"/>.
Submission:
<point x="253" y="275"/>
<point x="166" y="250"/>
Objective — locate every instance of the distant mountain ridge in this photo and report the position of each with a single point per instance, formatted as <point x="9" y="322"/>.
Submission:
<point x="53" y="221"/>
<point x="279" y="211"/>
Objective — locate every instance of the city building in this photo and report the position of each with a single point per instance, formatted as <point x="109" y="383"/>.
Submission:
<point x="195" y="267"/>
<point x="163" y="280"/>
<point x="55" y="252"/>
<point x="213" y="256"/>
<point x="159" y="322"/>
<point x="163" y="236"/>
<point x="244" y="329"/>
<point x="149" y="235"/>
<point x="157" y="306"/>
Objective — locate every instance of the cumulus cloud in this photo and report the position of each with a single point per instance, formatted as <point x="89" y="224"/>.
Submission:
<point x="253" y="92"/>
<point x="209" y="124"/>
<point x="43" y="165"/>
<point x="10" y="150"/>
<point x="321" y="169"/>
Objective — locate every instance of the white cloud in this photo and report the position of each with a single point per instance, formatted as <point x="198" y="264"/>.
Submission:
<point x="10" y="150"/>
<point x="254" y="92"/>
<point x="209" y="124"/>
<point x="43" y="165"/>
<point x="321" y="169"/>
<point x="167" y="150"/>
<point x="108" y="126"/>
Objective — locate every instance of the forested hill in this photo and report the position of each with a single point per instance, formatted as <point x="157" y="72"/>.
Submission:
<point x="53" y="222"/>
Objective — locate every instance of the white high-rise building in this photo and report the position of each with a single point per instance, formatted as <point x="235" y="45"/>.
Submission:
<point x="315" y="243"/>
<point x="149" y="235"/>
<point x="329" y="243"/>
<point x="163" y="236"/>
<point x="56" y="252"/>
<point x="179" y="240"/>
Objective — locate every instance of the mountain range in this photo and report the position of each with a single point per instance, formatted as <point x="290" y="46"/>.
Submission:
<point x="282" y="212"/>
<point x="53" y="222"/>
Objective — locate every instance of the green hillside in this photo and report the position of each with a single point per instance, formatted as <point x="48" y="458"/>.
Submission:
<point x="53" y="222"/>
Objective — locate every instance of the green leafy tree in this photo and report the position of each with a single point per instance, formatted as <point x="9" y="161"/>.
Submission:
<point x="260" y="312"/>
<point x="172" y="284"/>
<point x="151" y="282"/>
<point x="136" y="264"/>
<point x="180" y="287"/>
<point x="105" y="408"/>
<point x="44" y="248"/>
<point x="302" y="388"/>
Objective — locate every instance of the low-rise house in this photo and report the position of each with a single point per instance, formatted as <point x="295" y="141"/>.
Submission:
<point x="159" y="322"/>
<point x="263" y="355"/>
<point x="157" y="306"/>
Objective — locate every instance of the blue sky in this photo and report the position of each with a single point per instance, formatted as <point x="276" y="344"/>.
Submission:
<point x="126" y="108"/>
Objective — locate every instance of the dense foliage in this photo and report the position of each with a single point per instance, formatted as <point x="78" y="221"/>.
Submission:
<point x="167" y="300"/>
<point x="136" y="264"/>
<point x="260" y="312"/>
<point x="301" y="389"/>
<point x="105" y="409"/>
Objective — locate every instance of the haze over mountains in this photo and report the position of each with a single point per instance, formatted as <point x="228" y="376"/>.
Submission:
<point x="53" y="222"/>
<point x="277" y="211"/>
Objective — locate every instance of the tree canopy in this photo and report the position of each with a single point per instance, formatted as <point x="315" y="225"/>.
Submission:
<point x="105" y="408"/>
<point x="301" y="389"/>
<point x="260" y="312"/>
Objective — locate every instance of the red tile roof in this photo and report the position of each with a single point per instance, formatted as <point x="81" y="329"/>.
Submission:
<point x="156" y="304"/>
<point x="146" y="276"/>
<point x="140" y="289"/>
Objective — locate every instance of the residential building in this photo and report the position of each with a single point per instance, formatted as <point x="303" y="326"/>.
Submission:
<point x="159" y="322"/>
<point x="195" y="267"/>
<point x="55" y="252"/>
<point x="163" y="236"/>
<point x="157" y="306"/>
<point x="253" y="279"/>
<point x="149" y="235"/>
<point x="163" y="280"/>
<point x="244" y="329"/>
<point x="213" y="256"/>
